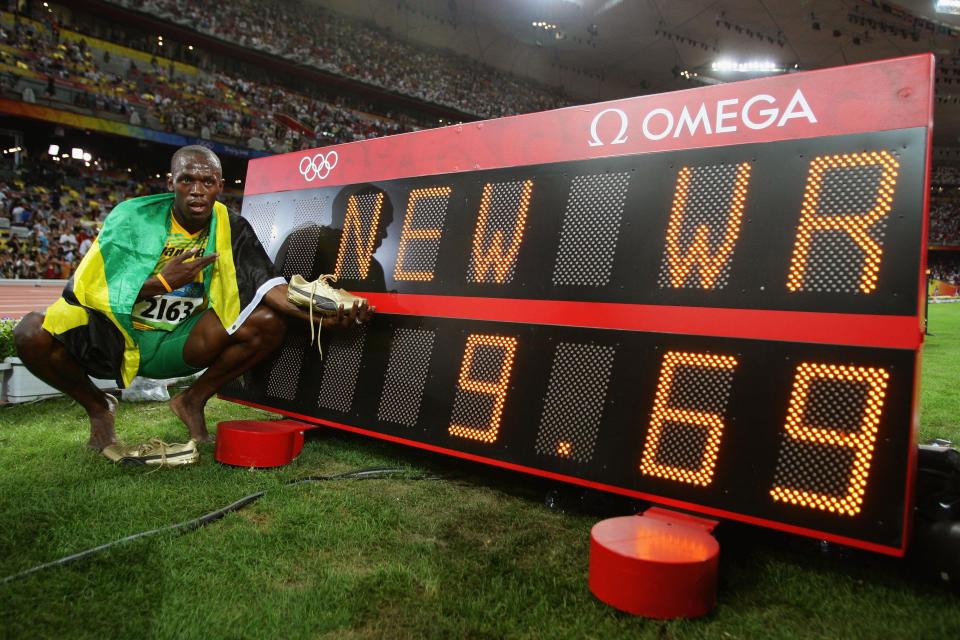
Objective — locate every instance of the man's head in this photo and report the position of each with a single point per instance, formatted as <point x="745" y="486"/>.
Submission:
<point x="196" y="180"/>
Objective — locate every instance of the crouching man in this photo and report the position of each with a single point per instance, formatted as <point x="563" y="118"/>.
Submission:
<point x="173" y="284"/>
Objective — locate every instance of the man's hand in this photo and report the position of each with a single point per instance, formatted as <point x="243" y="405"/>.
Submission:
<point x="182" y="270"/>
<point x="346" y="317"/>
<point x="178" y="272"/>
<point x="276" y="299"/>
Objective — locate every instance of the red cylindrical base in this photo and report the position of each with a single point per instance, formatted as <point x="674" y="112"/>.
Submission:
<point x="654" y="565"/>
<point x="258" y="443"/>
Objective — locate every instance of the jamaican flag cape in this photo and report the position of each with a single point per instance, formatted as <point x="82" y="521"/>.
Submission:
<point x="109" y="278"/>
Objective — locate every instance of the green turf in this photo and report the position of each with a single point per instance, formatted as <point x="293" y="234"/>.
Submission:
<point x="476" y="555"/>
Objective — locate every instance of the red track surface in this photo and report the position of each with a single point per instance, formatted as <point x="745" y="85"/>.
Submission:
<point x="17" y="300"/>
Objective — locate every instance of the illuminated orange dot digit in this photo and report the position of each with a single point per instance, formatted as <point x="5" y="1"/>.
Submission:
<point x="656" y="462"/>
<point x="798" y="465"/>
<point x="362" y="239"/>
<point x="856" y="226"/>
<point x="489" y="378"/>
<point x="493" y="259"/>
<point x="441" y="194"/>
<point x="708" y="261"/>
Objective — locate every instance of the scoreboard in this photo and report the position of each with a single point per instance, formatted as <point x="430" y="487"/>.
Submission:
<point x="710" y="299"/>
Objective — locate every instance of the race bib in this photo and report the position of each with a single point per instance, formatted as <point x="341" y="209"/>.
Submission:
<point x="169" y="310"/>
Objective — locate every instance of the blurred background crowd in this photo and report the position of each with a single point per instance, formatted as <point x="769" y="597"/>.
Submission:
<point x="309" y="35"/>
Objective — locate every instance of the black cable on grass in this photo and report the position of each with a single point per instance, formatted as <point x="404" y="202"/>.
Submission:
<point x="213" y="516"/>
<point x="364" y="474"/>
<point x="189" y="525"/>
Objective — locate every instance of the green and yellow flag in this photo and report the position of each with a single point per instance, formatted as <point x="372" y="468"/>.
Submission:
<point x="109" y="278"/>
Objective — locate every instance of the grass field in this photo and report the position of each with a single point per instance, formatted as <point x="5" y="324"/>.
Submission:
<point x="475" y="555"/>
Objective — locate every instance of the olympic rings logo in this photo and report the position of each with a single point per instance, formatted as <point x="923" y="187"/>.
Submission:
<point x="318" y="166"/>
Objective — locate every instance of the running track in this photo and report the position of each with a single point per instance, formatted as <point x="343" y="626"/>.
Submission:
<point x="17" y="300"/>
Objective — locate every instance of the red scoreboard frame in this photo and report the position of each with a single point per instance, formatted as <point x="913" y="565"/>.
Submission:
<point x="711" y="299"/>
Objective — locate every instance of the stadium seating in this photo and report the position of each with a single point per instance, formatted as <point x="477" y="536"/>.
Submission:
<point x="307" y="34"/>
<point x="39" y="65"/>
<point x="59" y="207"/>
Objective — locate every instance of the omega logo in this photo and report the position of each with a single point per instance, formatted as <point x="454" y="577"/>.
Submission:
<point x="620" y="138"/>
<point x="710" y="118"/>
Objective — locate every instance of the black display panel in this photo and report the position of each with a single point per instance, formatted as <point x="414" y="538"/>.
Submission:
<point x="625" y="229"/>
<point x="539" y="317"/>
<point x="718" y="423"/>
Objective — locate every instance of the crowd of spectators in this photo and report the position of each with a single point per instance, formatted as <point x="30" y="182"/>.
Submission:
<point x="945" y="176"/>
<point x="40" y="54"/>
<point x="945" y="206"/>
<point x="945" y="221"/>
<point x="236" y="110"/>
<point x="945" y="266"/>
<point x="51" y="211"/>
<point x="310" y="35"/>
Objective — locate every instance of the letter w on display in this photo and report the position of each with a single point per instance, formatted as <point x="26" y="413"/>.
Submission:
<point x="694" y="218"/>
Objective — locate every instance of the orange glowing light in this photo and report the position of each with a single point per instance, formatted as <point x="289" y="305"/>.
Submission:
<point x="663" y="413"/>
<point x="861" y="441"/>
<point x="497" y="389"/>
<point x="667" y="546"/>
<point x="856" y="226"/>
<point x="682" y="260"/>
<point x="353" y="229"/>
<point x="494" y="255"/>
<point x="564" y="448"/>
<point x="409" y="233"/>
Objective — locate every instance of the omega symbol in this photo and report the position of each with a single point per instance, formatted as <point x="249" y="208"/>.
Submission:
<point x="620" y="138"/>
<point x="318" y="166"/>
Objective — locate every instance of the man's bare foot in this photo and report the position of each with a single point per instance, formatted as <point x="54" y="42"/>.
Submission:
<point x="101" y="425"/>
<point x="190" y="413"/>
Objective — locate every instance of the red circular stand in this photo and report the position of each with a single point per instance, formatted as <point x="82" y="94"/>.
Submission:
<point x="259" y="443"/>
<point x="662" y="564"/>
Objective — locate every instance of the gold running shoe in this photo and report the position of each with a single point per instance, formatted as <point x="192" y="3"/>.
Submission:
<point x="154" y="452"/>
<point x="317" y="295"/>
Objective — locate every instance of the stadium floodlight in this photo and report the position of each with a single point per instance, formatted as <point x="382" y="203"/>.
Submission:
<point x="53" y="149"/>
<point x="948" y="6"/>
<point x="87" y="157"/>
<point x="76" y="153"/>
<point x="752" y="66"/>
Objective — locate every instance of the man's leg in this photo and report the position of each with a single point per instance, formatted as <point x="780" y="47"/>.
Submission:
<point x="226" y="357"/>
<point x="50" y="361"/>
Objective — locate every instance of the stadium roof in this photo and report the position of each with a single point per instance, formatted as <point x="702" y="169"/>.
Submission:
<point x="602" y="49"/>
